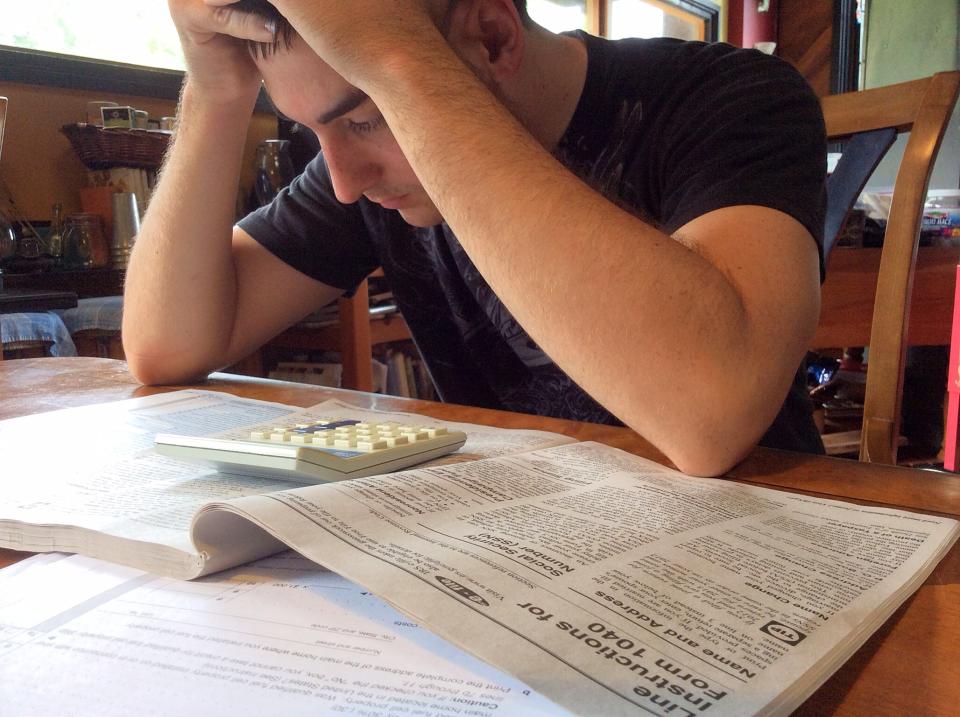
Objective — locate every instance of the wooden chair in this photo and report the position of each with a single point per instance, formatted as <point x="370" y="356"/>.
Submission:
<point x="354" y="336"/>
<point x="922" y="108"/>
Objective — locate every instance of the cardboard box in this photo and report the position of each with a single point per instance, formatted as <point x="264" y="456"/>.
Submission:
<point x="120" y="117"/>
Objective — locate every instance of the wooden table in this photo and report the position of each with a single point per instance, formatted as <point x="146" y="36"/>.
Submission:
<point x="847" y="295"/>
<point x="911" y="665"/>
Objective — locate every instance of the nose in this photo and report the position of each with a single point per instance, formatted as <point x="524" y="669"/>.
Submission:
<point x="352" y="172"/>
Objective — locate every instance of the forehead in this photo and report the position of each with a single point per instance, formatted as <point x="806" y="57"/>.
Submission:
<point x="300" y="84"/>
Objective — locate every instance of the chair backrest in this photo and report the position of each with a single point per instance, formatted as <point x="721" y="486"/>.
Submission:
<point x="922" y="108"/>
<point x="861" y="155"/>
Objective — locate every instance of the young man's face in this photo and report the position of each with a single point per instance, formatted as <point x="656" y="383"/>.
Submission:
<point x="361" y="154"/>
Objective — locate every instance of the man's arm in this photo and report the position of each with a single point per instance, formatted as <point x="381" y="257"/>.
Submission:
<point x="201" y="294"/>
<point x="691" y="340"/>
<point x="692" y="343"/>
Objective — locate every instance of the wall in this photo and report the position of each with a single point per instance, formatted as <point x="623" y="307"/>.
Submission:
<point x="38" y="163"/>
<point x="747" y="26"/>
<point x="907" y="41"/>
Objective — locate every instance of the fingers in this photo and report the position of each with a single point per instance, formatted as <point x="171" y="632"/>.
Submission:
<point x="242" y="25"/>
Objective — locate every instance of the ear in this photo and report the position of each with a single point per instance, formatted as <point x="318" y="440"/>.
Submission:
<point x="489" y="35"/>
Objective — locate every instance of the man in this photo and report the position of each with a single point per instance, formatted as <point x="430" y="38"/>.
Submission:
<point x="629" y="230"/>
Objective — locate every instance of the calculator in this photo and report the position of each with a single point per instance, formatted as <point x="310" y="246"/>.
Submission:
<point x="316" y="451"/>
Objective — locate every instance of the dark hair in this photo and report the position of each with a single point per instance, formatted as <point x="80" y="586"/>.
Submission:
<point x="284" y="32"/>
<point x="282" y="37"/>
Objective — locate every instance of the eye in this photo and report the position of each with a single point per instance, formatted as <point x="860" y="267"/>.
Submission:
<point x="366" y="126"/>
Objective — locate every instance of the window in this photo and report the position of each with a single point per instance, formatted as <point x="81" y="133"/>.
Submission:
<point x="653" y="18"/>
<point x="132" y="48"/>
<point x="137" y="33"/>
<point x="125" y="48"/>
<point x="684" y="19"/>
<point x="559" y="15"/>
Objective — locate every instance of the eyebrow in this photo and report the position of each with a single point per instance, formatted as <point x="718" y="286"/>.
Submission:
<point x="353" y="100"/>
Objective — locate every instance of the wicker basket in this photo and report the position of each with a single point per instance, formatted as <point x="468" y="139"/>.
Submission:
<point x="100" y="148"/>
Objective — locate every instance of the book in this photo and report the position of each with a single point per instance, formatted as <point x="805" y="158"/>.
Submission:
<point x="411" y="379"/>
<point x="607" y="583"/>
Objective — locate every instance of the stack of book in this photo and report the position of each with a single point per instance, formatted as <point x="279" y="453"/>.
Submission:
<point x="407" y="375"/>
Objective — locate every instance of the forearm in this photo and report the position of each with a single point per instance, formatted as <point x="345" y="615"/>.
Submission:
<point x="654" y="331"/>
<point x="180" y="296"/>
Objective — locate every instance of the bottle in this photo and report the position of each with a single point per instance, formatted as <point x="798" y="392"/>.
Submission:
<point x="55" y="239"/>
<point x="274" y="169"/>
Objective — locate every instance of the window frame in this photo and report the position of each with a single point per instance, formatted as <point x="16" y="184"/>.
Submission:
<point x="53" y="69"/>
<point x="598" y="15"/>
<point x="41" y="67"/>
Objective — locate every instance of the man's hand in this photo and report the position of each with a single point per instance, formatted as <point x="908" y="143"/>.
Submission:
<point x="356" y="37"/>
<point x="218" y="62"/>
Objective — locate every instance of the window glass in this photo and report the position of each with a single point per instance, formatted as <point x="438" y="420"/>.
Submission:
<point x="138" y="33"/>
<point x="559" y="15"/>
<point x="653" y="18"/>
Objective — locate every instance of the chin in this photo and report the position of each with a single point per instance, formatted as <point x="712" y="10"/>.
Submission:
<point x="423" y="217"/>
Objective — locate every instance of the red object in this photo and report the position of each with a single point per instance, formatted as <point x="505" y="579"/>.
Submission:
<point x="953" y="386"/>
<point x="746" y="26"/>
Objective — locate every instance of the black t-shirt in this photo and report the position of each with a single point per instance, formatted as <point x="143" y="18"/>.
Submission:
<point x="668" y="129"/>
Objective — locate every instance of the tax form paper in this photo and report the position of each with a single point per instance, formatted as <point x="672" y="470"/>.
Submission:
<point x="280" y="636"/>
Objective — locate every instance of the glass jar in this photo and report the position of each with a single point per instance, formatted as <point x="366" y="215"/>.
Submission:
<point x="84" y="245"/>
<point x="274" y="169"/>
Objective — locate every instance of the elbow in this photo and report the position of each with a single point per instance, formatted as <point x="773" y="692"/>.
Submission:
<point x="158" y="368"/>
<point x="712" y="441"/>
<point x="710" y="461"/>
<point x="711" y="449"/>
<point x="151" y="372"/>
<point x="163" y="360"/>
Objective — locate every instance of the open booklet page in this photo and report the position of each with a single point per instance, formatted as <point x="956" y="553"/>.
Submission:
<point x="281" y="636"/>
<point x="87" y="479"/>
<point x="609" y="583"/>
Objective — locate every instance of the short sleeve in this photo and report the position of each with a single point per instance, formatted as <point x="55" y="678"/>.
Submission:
<point x="751" y="134"/>
<point x="306" y="227"/>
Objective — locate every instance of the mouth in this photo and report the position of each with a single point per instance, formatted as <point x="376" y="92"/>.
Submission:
<point x="396" y="202"/>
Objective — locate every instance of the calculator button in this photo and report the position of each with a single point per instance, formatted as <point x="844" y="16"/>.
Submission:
<point x="304" y="438"/>
<point x="260" y="435"/>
